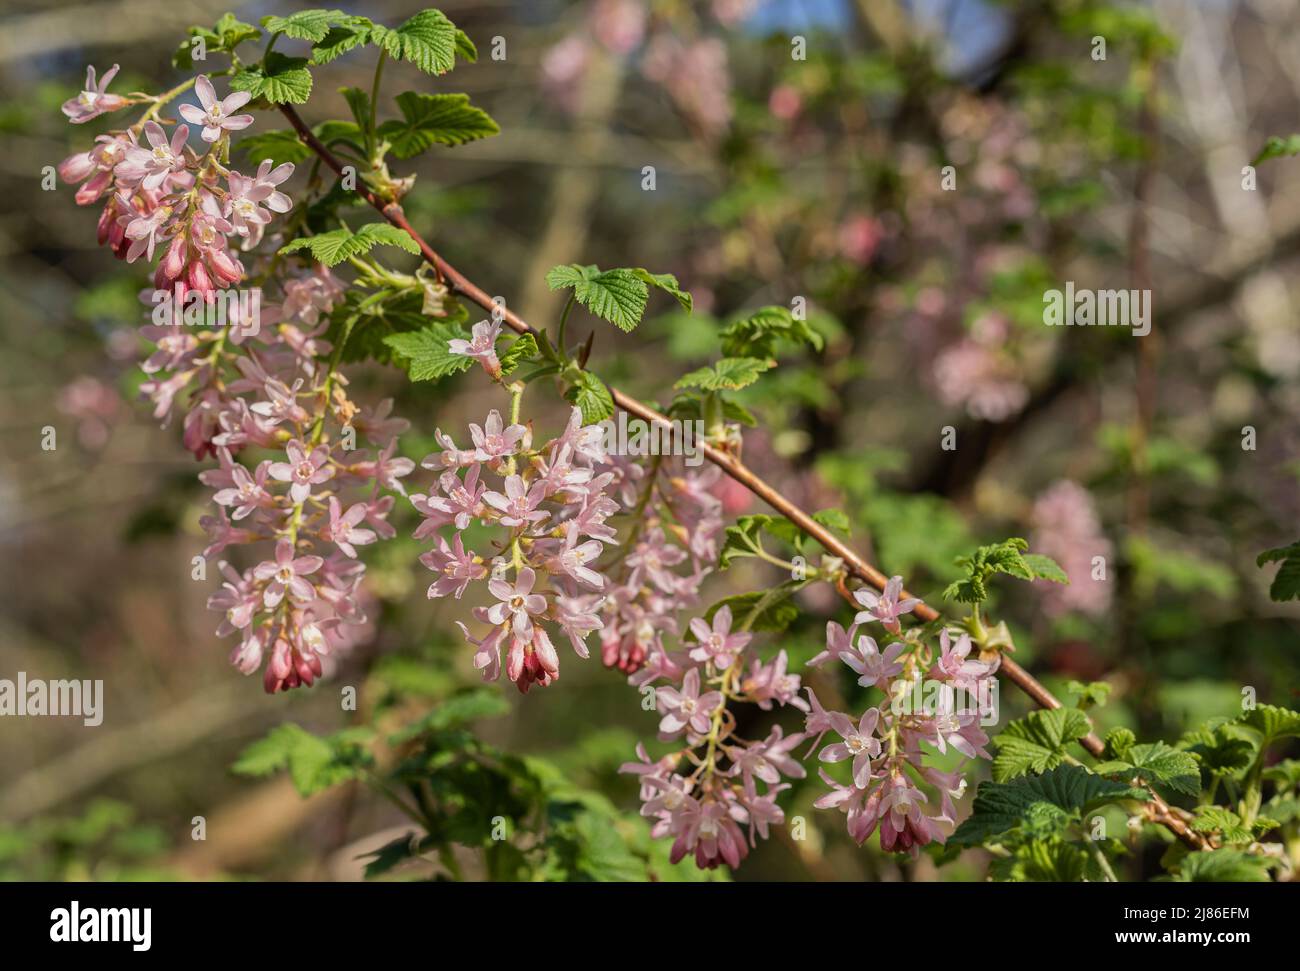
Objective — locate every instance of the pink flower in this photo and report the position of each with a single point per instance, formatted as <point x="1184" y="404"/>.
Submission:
<point x="244" y="201"/>
<point x="216" y="116"/>
<point x="859" y="743"/>
<point x="687" y="707"/>
<point x="342" y="528"/>
<point x="885" y="607"/>
<point x="302" y="469"/>
<point x="458" y="567"/>
<point x="286" y="574"/>
<point x="770" y="682"/>
<point x="718" y="644"/>
<point x="247" y="492"/>
<point x="492" y="442"/>
<point x="481" y="346"/>
<point x="95" y="99"/>
<point x="519" y="504"/>
<point x="151" y="166"/>
<point x="573" y="556"/>
<point x="517" y="603"/>
<point x="953" y="666"/>
<point x="874" y="667"/>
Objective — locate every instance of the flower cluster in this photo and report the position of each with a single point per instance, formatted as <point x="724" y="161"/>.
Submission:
<point x="251" y="375"/>
<point x="552" y="504"/>
<point x="931" y="701"/>
<point x="703" y="793"/>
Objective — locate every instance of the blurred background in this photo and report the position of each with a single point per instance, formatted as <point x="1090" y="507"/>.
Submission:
<point x="1173" y="456"/>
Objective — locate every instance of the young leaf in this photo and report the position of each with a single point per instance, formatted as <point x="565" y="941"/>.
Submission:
<point x="310" y="25"/>
<point x="758" y="334"/>
<point x="618" y="296"/>
<point x="1045" y="568"/>
<point x="228" y="34"/>
<point x="521" y="349"/>
<point x="280" y="79"/>
<point x="427" y="353"/>
<point x="340" y="39"/>
<point x="428" y="119"/>
<point x="1276" y="147"/>
<point x="730" y="374"/>
<point x="1158" y="764"/>
<point x="428" y="40"/>
<point x="667" y="283"/>
<point x="775" y="611"/>
<point x="1217" y="819"/>
<point x="1221" y="866"/>
<point x="591" y="396"/>
<point x="340" y="244"/>
<point x="1037" y="742"/>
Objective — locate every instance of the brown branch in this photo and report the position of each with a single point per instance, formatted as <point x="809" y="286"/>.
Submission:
<point x="729" y="464"/>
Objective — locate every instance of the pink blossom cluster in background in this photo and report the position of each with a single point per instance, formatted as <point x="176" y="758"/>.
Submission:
<point x="1068" y="529"/>
<point x="254" y="384"/>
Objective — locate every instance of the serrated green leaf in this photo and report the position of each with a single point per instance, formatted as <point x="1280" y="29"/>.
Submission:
<point x="758" y="334"/>
<point x="428" y="40"/>
<point x="618" y="295"/>
<point x="1217" y="819"/>
<point x="667" y="283"/>
<point x="338" y="245"/>
<point x="1042" y="806"/>
<point x="429" y="119"/>
<point x="426" y="351"/>
<point x="340" y="39"/>
<point x="1045" y="568"/>
<point x="522" y="349"/>
<point x="730" y="374"/>
<point x="1272" y="722"/>
<point x="1221" y="866"/>
<point x="310" y="25"/>
<point x="591" y="396"/>
<point x="772" y="610"/>
<point x="314" y="763"/>
<point x="1286" y="584"/>
<point x="1037" y="742"/>
<point x="279" y="79"/>
<point x="1157" y="764"/>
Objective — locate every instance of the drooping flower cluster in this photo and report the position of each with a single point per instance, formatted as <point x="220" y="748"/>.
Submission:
<point x="551" y="504"/>
<point x="930" y="702"/>
<point x="706" y="795"/>
<point x="249" y="377"/>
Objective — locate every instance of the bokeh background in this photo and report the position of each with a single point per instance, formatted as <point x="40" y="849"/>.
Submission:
<point x="775" y="178"/>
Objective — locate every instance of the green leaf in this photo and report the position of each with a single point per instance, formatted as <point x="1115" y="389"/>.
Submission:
<point x="591" y="396"/>
<point x="1286" y="584"/>
<point x="1037" y="742"/>
<point x="426" y="352"/>
<point x="834" y="519"/>
<point x="1272" y="722"/>
<point x="1046" y="568"/>
<point x="340" y="244"/>
<point x="775" y="611"/>
<point x="428" y="40"/>
<point x="1277" y="147"/>
<point x="1158" y="764"/>
<point x="340" y="39"/>
<point x="758" y="334"/>
<point x="618" y="295"/>
<point x="1221" y="866"/>
<point x="359" y="103"/>
<point x="465" y="48"/>
<point x="667" y="283"/>
<point x="1041" y="806"/>
<point x="1118" y="743"/>
<point x="1217" y="819"/>
<point x="429" y="119"/>
<point x="314" y="763"/>
<point x="278" y="146"/>
<point x="523" y="348"/>
<point x="310" y="25"/>
<point x="730" y="374"/>
<point x="454" y="713"/>
<point x="228" y="34"/>
<point x="280" y="79"/>
<point x="1089" y="695"/>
